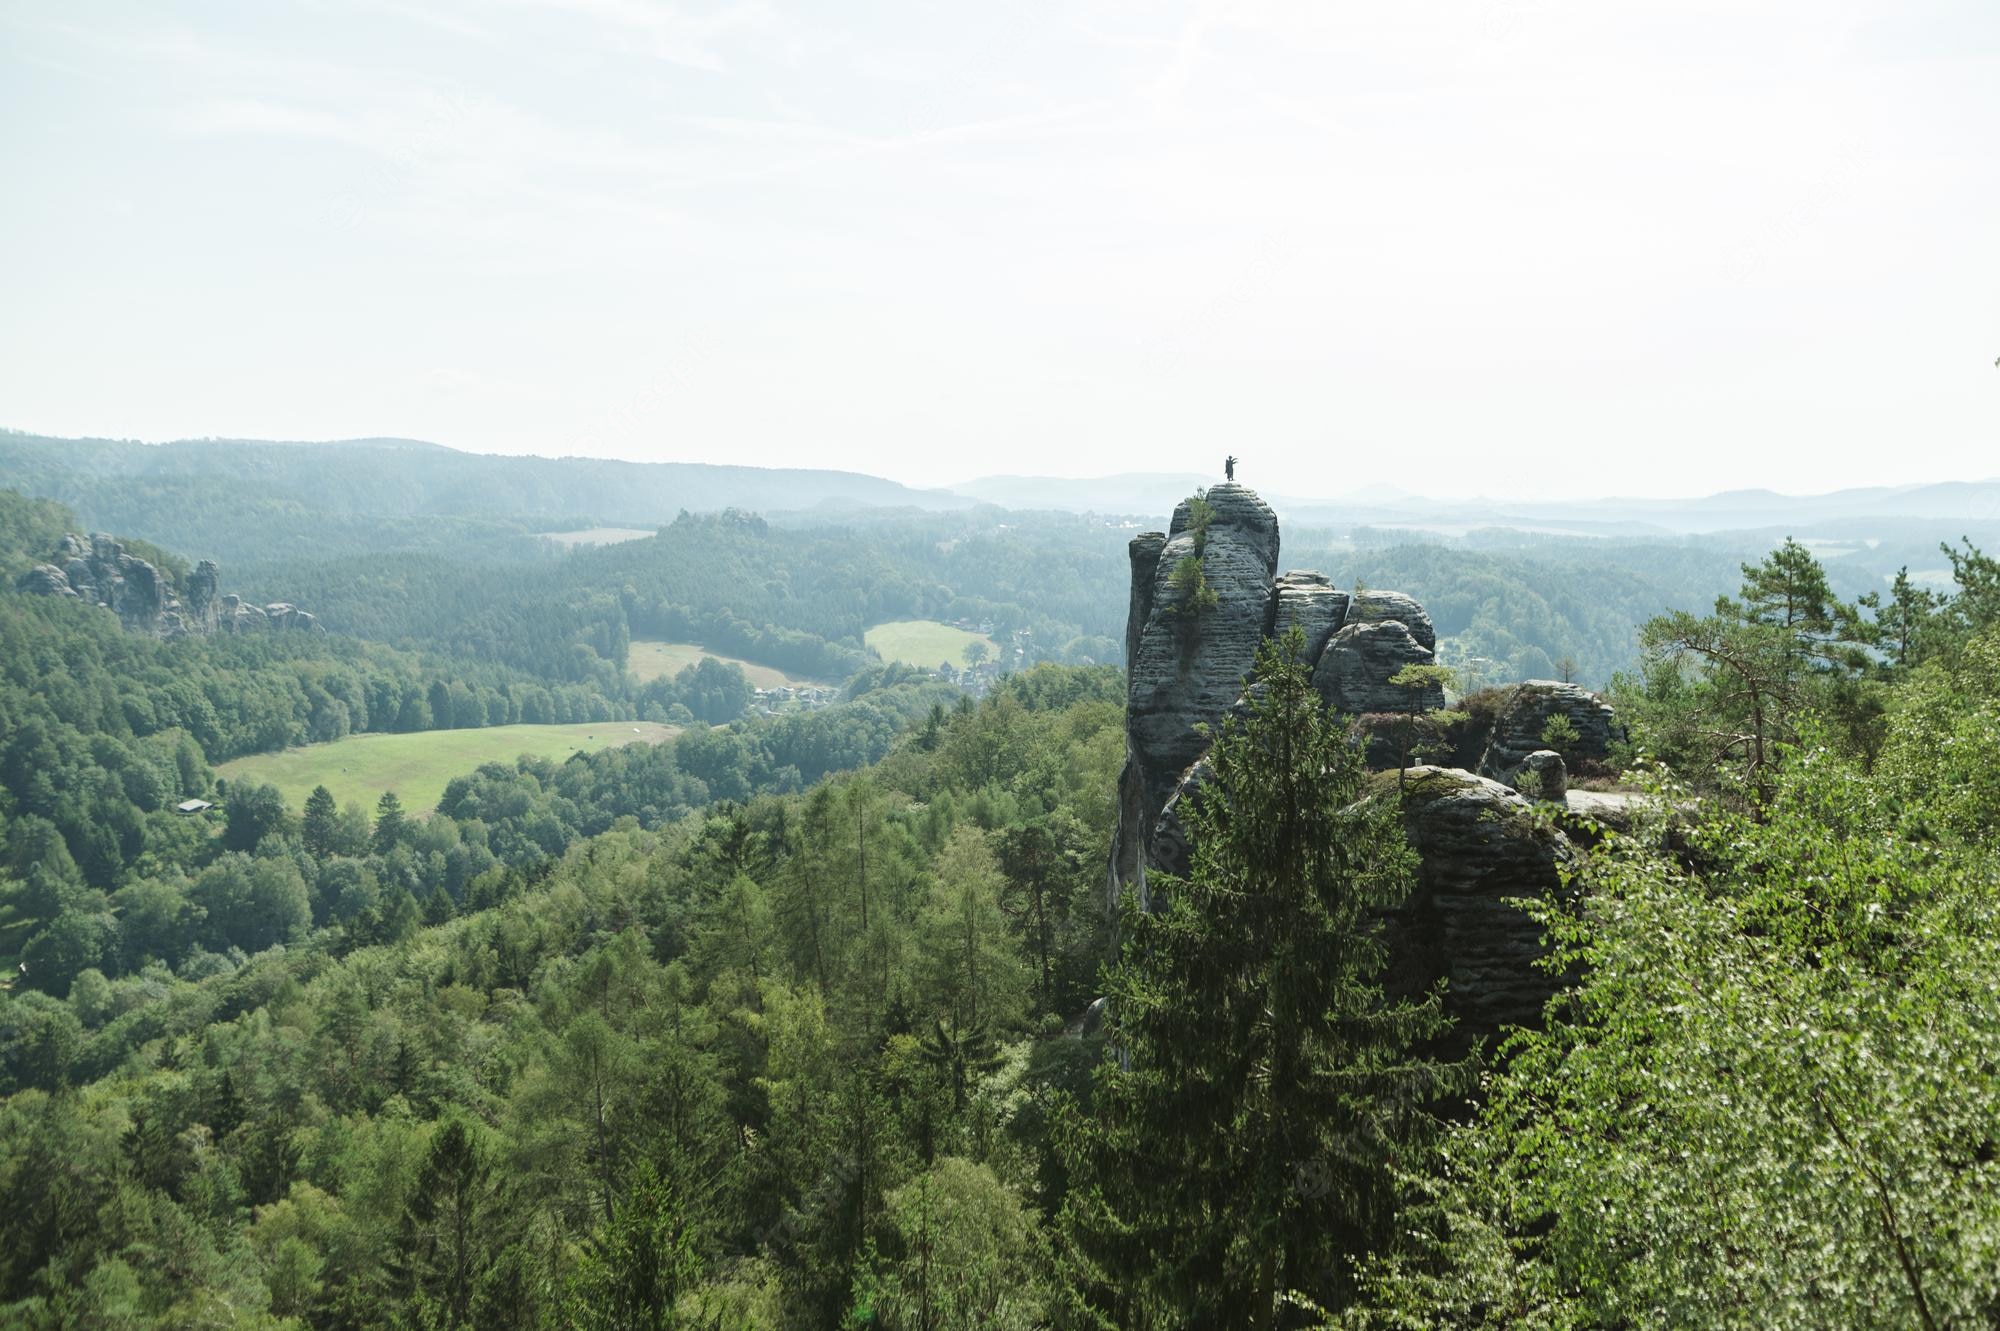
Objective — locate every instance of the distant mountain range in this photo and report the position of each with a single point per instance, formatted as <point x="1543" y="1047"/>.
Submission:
<point x="1155" y="494"/>
<point x="410" y="479"/>
<point x="406" y="477"/>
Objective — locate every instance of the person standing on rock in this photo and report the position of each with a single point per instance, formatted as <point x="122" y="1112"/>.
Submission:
<point x="1229" y="467"/>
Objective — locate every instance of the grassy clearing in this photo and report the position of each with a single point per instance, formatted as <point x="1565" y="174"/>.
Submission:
<point x="925" y="642"/>
<point x="418" y="766"/>
<point x="598" y="536"/>
<point x="651" y="660"/>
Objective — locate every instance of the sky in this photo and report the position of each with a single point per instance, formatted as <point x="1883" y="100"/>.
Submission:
<point x="1517" y="248"/>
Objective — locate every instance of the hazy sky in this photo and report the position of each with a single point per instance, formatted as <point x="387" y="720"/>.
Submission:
<point x="1504" y="247"/>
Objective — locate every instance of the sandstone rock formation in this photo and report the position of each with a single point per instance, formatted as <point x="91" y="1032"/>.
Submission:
<point x="1310" y="603"/>
<point x="1354" y="671"/>
<point x="202" y="589"/>
<point x="1517" y="729"/>
<point x="1377" y="607"/>
<point x="1544" y="775"/>
<point x="100" y="570"/>
<point x="1186" y="670"/>
<point x="1479" y="842"/>
<point x="46" y="580"/>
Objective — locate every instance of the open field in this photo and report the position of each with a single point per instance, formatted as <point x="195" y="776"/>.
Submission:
<point x="418" y="766"/>
<point x="597" y="536"/>
<point x="650" y="660"/>
<point x="925" y="642"/>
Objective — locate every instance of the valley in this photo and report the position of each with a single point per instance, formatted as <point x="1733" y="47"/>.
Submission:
<point x="1087" y="667"/>
<point x="752" y="931"/>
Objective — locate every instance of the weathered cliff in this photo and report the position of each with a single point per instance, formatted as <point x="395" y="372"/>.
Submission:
<point x="100" y="570"/>
<point x="1187" y="665"/>
<point x="1479" y="843"/>
<point x="1523" y="719"/>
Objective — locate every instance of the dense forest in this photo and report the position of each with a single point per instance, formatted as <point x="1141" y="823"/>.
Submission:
<point x="765" y="1030"/>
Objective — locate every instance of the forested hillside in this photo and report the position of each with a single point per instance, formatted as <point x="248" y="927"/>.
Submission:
<point x="581" y="1051"/>
<point x="103" y="731"/>
<point x="234" y="500"/>
<point x="796" y="597"/>
<point x="424" y="547"/>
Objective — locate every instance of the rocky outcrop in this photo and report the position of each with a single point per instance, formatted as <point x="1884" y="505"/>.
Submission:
<point x="1354" y="671"/>
<point x="1310" y="603"/>
<point x="1543" y="775"/>
<point x="1187" y="667"/>
<point x="102" y="571"/>
<point x="1375" y="607"/>
<point x="1478" y="845"/>
<point x="1519" y="725"/>
<point x="203" y="597"/>
<point x="1169" y="847"/>
<point x="1188" y="664"/>
<point x="46" y="580"/>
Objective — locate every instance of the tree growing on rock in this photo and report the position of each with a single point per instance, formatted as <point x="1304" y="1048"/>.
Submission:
<point x="1417" y="683"/>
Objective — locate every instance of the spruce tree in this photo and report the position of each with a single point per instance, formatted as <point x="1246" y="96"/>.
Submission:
<point x="321" y="824"/>
<point x="390" y="823"/>
<point x="441" y="1253"/>
<point x="1239" y="1147"/>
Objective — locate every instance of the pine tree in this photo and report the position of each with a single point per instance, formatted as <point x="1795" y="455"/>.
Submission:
<point x="321" y="824"/>
<point x="391" y="826"/>
<point x="1240" y="1149"/>
<point x="1908" y="621"/>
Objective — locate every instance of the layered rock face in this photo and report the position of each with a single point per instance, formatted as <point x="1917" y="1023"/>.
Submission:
<point x="1544" y="775"/>
<point x="1354" y="671"/>
<point x="1310" y="603"/>
<point x="1189" y="667"/>
<point x="101" y="571"/>
<point x="1479" y="842"/>
<point x="1186" y="670"/>
<point x="1517" y="730"/>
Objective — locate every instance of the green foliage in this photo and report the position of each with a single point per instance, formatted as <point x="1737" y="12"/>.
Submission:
<point x="1200" y="514"/>
<point x="1943" y="750"/>
<point x="757" y="1064"/>
<point x="391" y="827"/>
<point x="1720" y="697"/>
<point x="957" y="1254"/>
<point x="319" y="825"/>
<point x="632" y="1277"/>
<point x="1193" y="597"/>
<point x="1241" y="1148"/>
<point x="1559" y="733"/>
<point x="1768" y="1103"/>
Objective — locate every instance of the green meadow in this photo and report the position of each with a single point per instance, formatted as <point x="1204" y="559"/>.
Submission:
<point x="418" y="766"/>
<point x="648" y="660"/>
<point x="925" y="642"/>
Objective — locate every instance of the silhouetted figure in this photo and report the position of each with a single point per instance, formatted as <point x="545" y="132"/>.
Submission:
<point x="1229" y="467"/>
